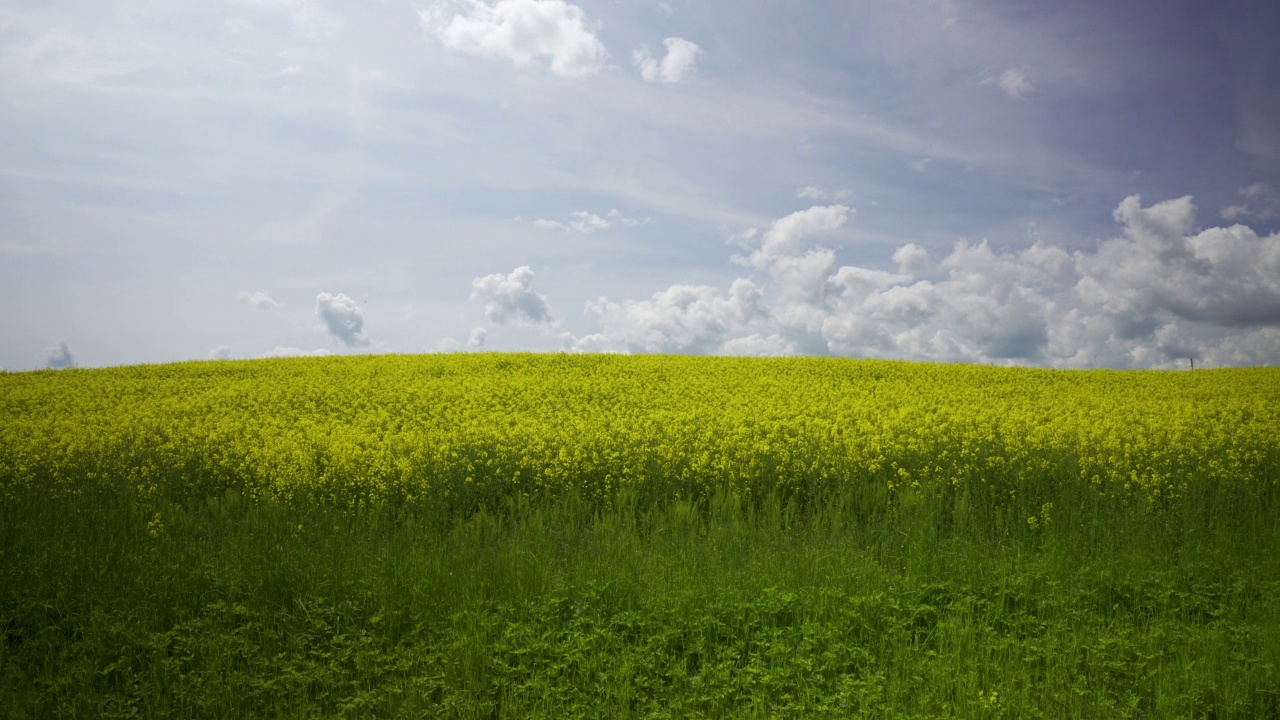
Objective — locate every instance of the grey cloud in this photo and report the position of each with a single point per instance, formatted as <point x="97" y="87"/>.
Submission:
<point x="60" y="356"/>
<point x="342" y="318"/>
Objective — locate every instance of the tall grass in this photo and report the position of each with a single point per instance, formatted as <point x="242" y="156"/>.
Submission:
<point x="846" y="604"/>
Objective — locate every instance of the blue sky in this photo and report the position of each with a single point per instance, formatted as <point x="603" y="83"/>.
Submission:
<point x="1086" y="184"/>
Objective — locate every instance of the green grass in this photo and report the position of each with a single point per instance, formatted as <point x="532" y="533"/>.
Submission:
<point x="946" y="605"/>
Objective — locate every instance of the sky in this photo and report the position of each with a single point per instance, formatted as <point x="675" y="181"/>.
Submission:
<point x="1083" y="184"/>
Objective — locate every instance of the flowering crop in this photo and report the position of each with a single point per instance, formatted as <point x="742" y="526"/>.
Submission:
<point x="479" y="429"/>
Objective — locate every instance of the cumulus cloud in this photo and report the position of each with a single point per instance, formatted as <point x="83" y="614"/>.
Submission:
<point x="784" y="237"/>
<point x="60" y="356"/>
<point x="342" y="318"/>
<point x="259" y="299"/>
<point x="288" y="352"/>
<point x="222" y="352"/>
<point x="1158" y="293"/>
<point x="677" y="65"/>
<point x="1222" y="276"/>
<point x="522" y="31"/>
<point x="585" y="222"/>
<point x="911" y="258"/>
<point x="508" y="297"/>
<point x="691" y="319"/>
<point x="475" y="341"/>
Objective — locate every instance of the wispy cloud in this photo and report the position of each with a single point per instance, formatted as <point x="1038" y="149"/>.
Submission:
<point x="811" y="192"/>
<point x="1013" y="81"/>
<point x="1259" y="200"/>
<point x="259" y="299"/>
<point x="585" y="222"/>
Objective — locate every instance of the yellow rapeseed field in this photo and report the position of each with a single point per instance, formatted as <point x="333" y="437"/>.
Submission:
<point x="470" y="428"/>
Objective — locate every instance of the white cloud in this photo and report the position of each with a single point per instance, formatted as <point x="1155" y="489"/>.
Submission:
<point x="1158" y="294"/>
<point x="222" y="352"/>
<point x="475" y="341"/>
<point x="761" y="346"/>
<point x="911" y="259"/>
<point x="676" y="66"/>
<point x="288" y="352"/>
<point x="1223" y="276"/>
<point x="585" y="222"/>
<point x="508" y="297"/>
<point x="522" y="31"/>
<point x="342" y="318"/>
<point x="259" y="299"/>
<point x="60" y="356"/>
<point x="1013" y="81"/>
<point x="681" y="319"/>
<point x="786" y="233"/>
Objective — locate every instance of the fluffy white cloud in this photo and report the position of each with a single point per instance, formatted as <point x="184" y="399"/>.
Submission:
<point x="259" y="299"/>
<point x="342" y="318"/>
<point x="1156" y="295"/>
<point x="522" y="31"/>
<point x="475" y="341"/>
<point x="784" y="237"/>
<point x="911" y="258"/>
<point x="222" y="352"/>
<point x="681" y="319"/>
<point x="508" y="297"/>
<point x="60" y="356"/>
<point x="676" y="66"/>
<point x="585" y="222"/>
<point x="288" y="352"/>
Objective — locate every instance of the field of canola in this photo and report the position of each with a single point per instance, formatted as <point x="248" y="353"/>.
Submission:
<point x="516" y="536"/>
<point x="473" y="430"/>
